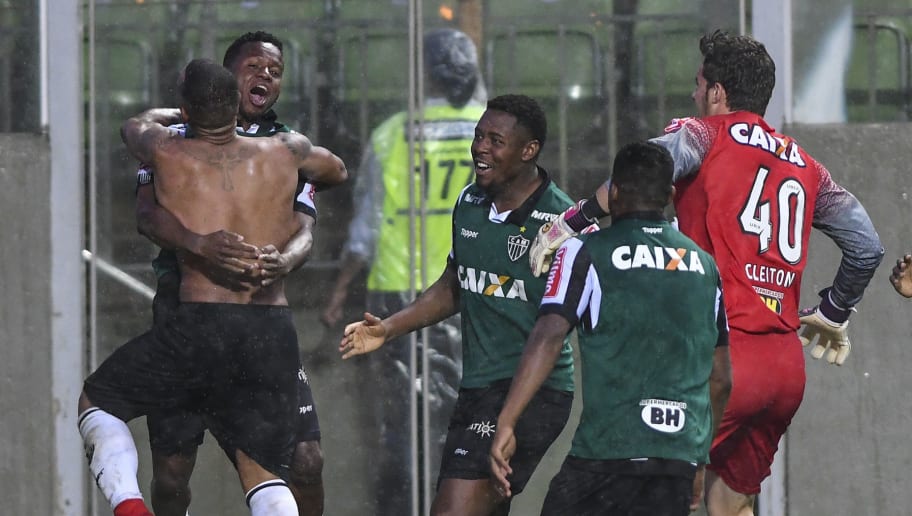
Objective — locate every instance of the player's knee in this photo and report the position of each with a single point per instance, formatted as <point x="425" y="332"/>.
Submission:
<point x="171" y="476"/>
<point x="170" y="486"/>
<point x="307" y="464"/>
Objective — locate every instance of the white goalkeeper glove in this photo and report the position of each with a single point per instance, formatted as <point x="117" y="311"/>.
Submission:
<point x="827" y="324"/>
<point x="547" y="241"/>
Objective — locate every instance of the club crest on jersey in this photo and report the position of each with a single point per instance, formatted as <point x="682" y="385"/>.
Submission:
<point x="516" y="246"/>
<point x="143" y="175"/>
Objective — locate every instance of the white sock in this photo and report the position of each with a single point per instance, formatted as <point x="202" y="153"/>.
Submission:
<point x="112" y="455"/>
<point x="271" y="498"/>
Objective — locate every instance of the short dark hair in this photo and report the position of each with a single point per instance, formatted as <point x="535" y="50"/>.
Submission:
<point x="234" y="49"/>
<point x="527" y="112"/>
<point x="210" y="94"/>
<point x="643" y="173"/>
<point x="742" y="66"/>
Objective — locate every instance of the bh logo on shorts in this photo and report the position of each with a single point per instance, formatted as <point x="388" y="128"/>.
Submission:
<point x="663" y="415"/>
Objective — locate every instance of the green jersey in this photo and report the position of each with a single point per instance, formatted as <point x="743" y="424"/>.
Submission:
<point x="498" y="294"/>
<point x="647" y="304"/>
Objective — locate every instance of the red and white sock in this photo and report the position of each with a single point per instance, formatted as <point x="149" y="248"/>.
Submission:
<point x="132" y="507"/>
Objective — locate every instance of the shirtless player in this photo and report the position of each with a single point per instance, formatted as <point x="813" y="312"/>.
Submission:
<point x="230" y="352"/>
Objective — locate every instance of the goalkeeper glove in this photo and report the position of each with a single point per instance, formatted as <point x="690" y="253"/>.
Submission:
<point x="827" y="323"/>
<point x="551" y="235"/>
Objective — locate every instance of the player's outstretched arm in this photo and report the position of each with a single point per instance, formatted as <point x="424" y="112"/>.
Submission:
<point x="318" y="164"/>
<point x="439" y="301"/>
<point x="582" y="217"/>
<point x="539" y="355"/>
<point x="901" y="276"/>
<point x="363" y="336"/>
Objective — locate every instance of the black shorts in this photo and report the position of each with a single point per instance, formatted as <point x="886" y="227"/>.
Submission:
<point x="236" y="366"/>
<point x="468" y="445"/>
<point x="176" y="431"/>
<point x="586" y="487"/>
<point x="173" y="432"/>
<point x="167" y="297"/>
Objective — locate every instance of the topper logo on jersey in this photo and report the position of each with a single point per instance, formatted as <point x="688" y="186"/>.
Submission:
<point x="490" y="284"/>
<point x="663" y="415"/>
<point x="752" y="134"/>
<point x="467" y="233"/>
<point x="655" y="257"/>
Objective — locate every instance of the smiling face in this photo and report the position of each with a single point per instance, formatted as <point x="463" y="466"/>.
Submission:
<point x="258" y="69"/>
<point x="502" y="151"/>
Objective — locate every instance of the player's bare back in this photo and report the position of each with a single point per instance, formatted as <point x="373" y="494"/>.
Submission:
<point x="242" y="185"/>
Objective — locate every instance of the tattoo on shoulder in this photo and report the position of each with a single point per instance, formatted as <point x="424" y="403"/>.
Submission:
<point x="296" y="145"/>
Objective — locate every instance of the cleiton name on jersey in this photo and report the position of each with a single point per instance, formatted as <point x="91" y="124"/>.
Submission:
<point x="755" y="136"/>
<point x="491" y="284"/>
<point x="655" y="257"/>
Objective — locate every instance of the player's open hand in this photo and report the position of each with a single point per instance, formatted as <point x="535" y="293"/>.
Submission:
<point x="363" y="336"/>
<point x="829" y="338"/>
<point x="272" y="265"/>
<point x="502" y="449"/>
<point x="227" y="251"/>
<point x="901" y="277"/>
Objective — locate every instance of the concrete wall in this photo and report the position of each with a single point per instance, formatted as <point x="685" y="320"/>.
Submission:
<point x="847" y="449"/>
<point x="26" y="421"/>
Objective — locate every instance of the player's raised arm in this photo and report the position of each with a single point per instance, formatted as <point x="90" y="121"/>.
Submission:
<point x="143" y="132"/>
<point x="318" y="164"/>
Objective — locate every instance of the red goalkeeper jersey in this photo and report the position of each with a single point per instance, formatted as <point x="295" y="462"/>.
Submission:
<point x="749" y="195"/>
